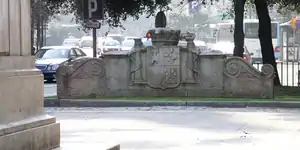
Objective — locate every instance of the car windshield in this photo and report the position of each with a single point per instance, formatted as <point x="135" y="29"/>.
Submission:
<point x="128" y="43"/>
<point x="51" y="53"/>
<point x="116" y="37"/>
<point x="112" y="43"/>
<point x="71" y="42"/>
<point x="87" y="43"/>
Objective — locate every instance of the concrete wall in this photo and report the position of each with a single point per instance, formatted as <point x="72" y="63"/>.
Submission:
<point x="168" y="71"/>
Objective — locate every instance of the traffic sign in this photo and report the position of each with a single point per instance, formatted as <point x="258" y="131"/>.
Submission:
<point x="93" y="9"/>
<point x="93" y="24"/>
<point x="194" y="6"/>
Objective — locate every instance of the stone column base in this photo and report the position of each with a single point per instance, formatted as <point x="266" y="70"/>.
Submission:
<point x="23" y="122"/>
<point x="35" y="133"/>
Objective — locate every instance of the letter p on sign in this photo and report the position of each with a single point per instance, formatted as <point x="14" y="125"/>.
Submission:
<point x="92" y="7"/>
<point x="194" y="4"/>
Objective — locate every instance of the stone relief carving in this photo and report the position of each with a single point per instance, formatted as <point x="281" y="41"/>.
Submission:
<point x="137" y="63"/>
<point x="82" y="77"/>
<point x="192" y="58"/>
<point x="164" y="36"/>
<point x="164" y="67"/>
<point x="236" y="67"/>
<point x="244" y="80"/>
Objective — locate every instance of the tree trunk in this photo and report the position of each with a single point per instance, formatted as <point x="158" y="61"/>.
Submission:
<point x="265" y="36"/>
<point x="38" y="32"/>
<point x="33" y="16"/>
<point x="239" y="28"/>
<point x="42" y="31"/>
<point x="32" y="36"/>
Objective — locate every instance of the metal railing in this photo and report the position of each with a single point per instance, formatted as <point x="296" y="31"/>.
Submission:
<point x="288" y="72"/>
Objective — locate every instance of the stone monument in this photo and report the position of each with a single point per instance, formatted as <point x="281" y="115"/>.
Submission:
<point x="23" y="123"/>
<point x="163" y="69"/>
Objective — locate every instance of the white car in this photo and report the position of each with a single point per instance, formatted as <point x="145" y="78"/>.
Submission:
<point x="111" y="46"/>
<point x="130" y="38"/>
<point x="127" y="45"/>
<point x="71" y="42"/>
<point x="118" y="37"/>
<point x="227" y="49"/>
<point x="86" y="42"/>
<point x="199" y="44"/>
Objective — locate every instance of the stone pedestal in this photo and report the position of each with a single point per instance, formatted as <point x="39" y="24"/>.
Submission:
<point x="23" y="123"/>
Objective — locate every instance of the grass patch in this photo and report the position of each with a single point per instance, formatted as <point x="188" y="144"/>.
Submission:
<point x="175" y="99"/>
<point x="50" y="97"/>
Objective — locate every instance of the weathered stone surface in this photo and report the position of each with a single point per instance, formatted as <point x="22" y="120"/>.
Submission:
<point x="84" y="77"/>
<point x="168" y="71"/>
<point x="163" y="36"/>
<point x="243" y="80"/>
<point x="23" y="124"/>
<point x="168" y="68"/>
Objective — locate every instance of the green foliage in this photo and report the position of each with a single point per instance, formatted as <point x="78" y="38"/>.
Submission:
<point x="183" y="22"/>
<point x="115" y="10"/>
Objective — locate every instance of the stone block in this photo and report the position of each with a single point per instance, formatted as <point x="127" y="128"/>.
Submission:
<point x="83" y="77"/>
<point x="242" y="80"/>
<point x="165" y="71"/>
<point x="35" y="133"/>
<point x="23" y="124"/>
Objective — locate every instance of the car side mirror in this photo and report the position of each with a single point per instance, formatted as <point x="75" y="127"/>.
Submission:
<point x="251" y="54"/>
<point x="71" y="59"/>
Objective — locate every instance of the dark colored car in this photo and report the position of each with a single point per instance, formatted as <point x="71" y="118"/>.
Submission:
<point x="48" y="59"/>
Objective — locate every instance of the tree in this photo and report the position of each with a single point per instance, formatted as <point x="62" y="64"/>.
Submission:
<point x="265" y="38"/>
<point x="40" y="15"/>
<point x="115" y="10"/>
<point x="264" y="33"/>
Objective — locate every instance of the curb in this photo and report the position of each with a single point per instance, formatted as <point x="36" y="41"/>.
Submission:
<point x="128" y="103"/>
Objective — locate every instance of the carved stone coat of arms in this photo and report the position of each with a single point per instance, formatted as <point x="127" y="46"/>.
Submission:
<point x="163" y="69"/>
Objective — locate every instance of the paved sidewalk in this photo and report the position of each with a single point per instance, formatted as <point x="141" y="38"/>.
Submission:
<point x="178" y="128"/>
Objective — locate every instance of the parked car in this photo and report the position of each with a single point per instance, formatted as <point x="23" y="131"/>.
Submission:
<point x="71" y="42"/>
<point x="201" y="45"/>
<point x="111" y="46"/>
<point x="130" y="38"/>
<point x="118" y="37"/>
<point x="48" y="59"/>
<point x="127" y="45"/>
<point x="86" y="42"/>
<point x="227" y="48"/>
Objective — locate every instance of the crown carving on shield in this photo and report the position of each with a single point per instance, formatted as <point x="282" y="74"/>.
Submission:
<point x="162" y="35"/>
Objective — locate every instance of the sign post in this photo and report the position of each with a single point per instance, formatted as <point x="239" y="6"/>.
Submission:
<point x="93" y="10"/>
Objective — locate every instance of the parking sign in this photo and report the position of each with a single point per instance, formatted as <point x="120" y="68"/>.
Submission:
<point x="194" y="6"/>
<point x="93" y="9"/>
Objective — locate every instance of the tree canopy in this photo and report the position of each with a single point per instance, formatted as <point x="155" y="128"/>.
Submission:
<point x="119" y="10"/>
<point x="115" y="10"/>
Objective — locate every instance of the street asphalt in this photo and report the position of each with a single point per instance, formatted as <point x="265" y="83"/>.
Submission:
<point x="50" y="89"/>
<point x="178" y="128"/>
